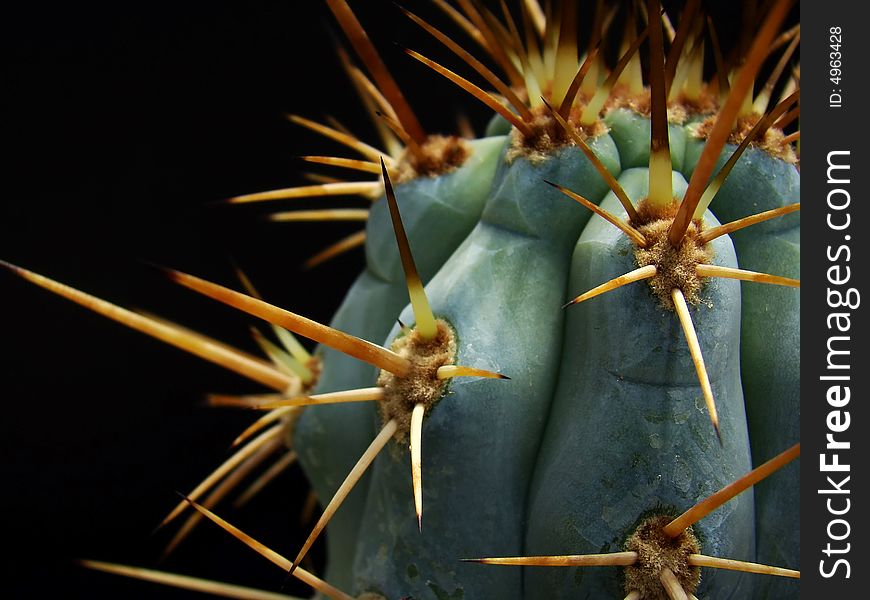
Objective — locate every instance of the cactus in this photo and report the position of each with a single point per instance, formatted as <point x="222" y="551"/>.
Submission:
<point x="603" y="449"/>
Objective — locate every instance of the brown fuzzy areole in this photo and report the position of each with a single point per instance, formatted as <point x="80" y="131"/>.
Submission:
<point x="641" y="103"/>
<point x="676" y="267"/>
<point x="706" y="103"/>
<point x="420" y="385"/>
<point x="655" y="551"/>
<point x="439" y="154"/>
<point x="547" y="135"/>
<point x="773" y="141"/>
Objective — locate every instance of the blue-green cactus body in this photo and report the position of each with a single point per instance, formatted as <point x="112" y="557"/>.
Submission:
<point x="630" y="419"/>
<point x="770" y="348"/>
<point x="498" y="125"/>
<point x="631" y="132"/>
<point x="770" y="333"/>
<point x="330" y="439"/>
<point x="611" y="391"/>
<point x="506" y="282"/>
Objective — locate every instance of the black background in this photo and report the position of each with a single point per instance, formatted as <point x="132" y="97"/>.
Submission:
<point x="124" y="125"/>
